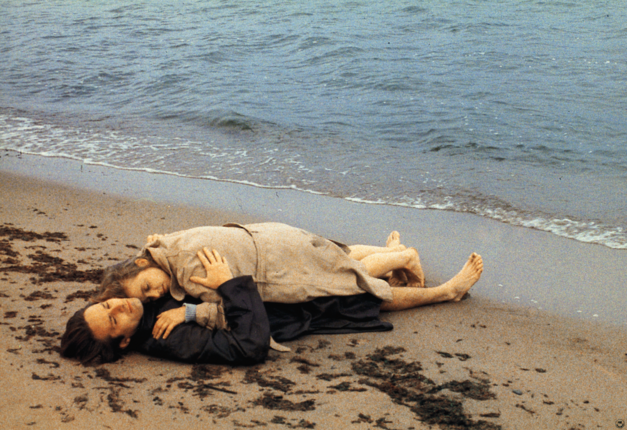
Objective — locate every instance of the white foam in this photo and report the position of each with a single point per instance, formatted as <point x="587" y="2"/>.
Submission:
<point x="264" y="167"/>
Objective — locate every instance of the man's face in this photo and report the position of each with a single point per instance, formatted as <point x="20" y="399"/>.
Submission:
<point x="114" y="318"/>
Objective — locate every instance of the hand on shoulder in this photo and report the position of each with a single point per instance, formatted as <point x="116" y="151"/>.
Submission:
<point x="218" y="270"/>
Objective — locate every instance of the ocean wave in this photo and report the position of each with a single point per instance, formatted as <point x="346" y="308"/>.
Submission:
<point x="277" y="167"/>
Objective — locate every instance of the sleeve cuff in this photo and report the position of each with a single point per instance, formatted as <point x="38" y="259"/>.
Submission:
<point x="190" y="312"/>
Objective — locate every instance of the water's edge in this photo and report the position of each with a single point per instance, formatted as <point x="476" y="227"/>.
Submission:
<point x="523" y="267"/>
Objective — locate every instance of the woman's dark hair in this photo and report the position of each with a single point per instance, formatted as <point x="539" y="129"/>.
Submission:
<point x="111" y="286"/>
<point x="79" y="342"/>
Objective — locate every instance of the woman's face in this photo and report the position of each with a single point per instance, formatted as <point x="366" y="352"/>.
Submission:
<point x="114" y="318"/>
<point x="150" y="284"/>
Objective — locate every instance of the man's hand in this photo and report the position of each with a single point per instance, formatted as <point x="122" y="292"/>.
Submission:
<point x="218" y="270"/>
<point x="166" y="321"/>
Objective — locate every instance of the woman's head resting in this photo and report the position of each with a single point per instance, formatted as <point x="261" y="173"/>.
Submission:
<point x="139" y="277"/>
<point x="150" y="284"/>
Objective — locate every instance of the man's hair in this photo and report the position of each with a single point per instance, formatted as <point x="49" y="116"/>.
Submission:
<point x="79" y="342"/>
<point x="111" y="286"/>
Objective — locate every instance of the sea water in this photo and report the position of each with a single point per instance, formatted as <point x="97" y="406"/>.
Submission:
<point x="511" y="110"/>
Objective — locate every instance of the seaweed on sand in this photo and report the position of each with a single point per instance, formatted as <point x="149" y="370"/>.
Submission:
<point x="48" y="268"/>
<point x="200" y="374"/>
<point x="279" y="383"/>
<point x="405" y="385"/>
<point x="277" y="402"/>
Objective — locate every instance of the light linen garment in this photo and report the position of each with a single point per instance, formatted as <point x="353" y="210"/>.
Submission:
<point x="289" y="265"/>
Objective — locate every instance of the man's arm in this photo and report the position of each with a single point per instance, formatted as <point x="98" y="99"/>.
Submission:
<point x="246" y="342"/>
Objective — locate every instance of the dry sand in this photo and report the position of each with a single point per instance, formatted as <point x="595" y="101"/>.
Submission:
<point x="475" y="363"/>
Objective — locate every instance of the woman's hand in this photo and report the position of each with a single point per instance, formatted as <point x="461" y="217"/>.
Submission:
<point x="153" y="237"/>
<point x="218" y="270"/>
<point x="166" y="321"/>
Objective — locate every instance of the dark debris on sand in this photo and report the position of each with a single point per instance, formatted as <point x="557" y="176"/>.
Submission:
<point x="45" y="267"/>
<point x="406" y="386"/>
<point x="115" y="385"/>
<point x="197" y="382"/>
<point x="80" y="294"/>
<point x="13" y="233"/>
<point x="403" y="381"/>
<point x="53" y="269"/>
<point x="105" y="375"/>
<point x="279" y="383"/>
<point x="302" y="424"/>
<point x="277" y="402"/>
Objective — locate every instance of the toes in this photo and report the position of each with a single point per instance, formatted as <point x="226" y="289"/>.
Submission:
<point x="394" y="239"/>
<point x="474" y="266"/>
<point x="478" y="262"/>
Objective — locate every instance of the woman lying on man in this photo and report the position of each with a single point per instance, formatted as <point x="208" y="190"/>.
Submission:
<point x="289" y="265"/>
<point x="348" y="298"/>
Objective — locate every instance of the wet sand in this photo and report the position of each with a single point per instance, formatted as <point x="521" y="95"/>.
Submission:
<point x="479" y="363"/>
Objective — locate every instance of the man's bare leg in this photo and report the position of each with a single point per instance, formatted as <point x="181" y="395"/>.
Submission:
<point x="393" y="244"/>
<point x="452" y="290"/>
<point x="378" y="265"/>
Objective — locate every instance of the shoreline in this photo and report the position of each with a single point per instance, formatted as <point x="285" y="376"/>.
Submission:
<point x="524" y="267"/>
<point x="505" y="365"/>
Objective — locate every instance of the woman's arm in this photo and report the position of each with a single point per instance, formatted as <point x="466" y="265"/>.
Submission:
<point x="218" y="272"/>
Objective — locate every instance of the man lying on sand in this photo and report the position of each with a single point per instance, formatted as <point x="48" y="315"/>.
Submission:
<point x="101" y="332"/>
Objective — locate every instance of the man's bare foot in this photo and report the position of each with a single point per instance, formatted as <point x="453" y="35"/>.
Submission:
<point x="466" y="278"/>
<point x="413" y="270"/>
<point x="393" y="240"/>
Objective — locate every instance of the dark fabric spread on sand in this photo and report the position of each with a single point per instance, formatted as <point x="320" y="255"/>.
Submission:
<point x="252" y="322"/>
<point x="326" y="315"/>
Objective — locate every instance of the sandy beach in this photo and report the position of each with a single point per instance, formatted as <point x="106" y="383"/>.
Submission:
<point x="478" y="364"/>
